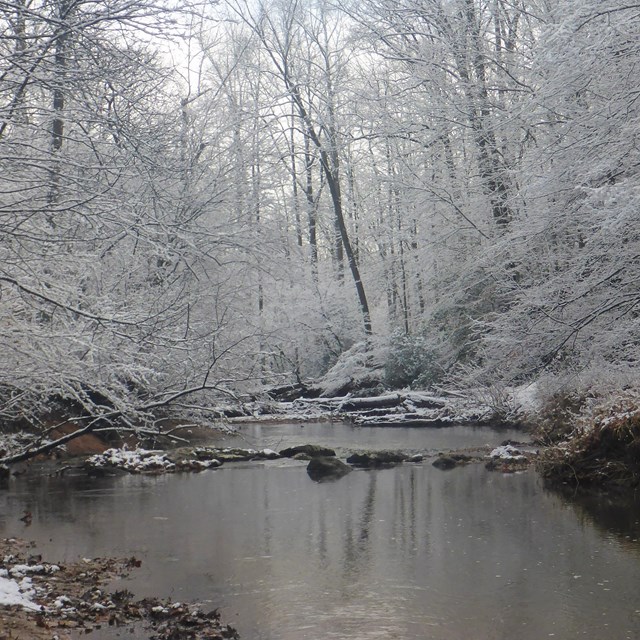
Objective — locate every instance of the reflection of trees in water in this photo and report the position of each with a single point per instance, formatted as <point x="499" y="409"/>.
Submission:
<point x="66" y="503"/>
<point x="404" y="514"/>
<point x="609" y="513"/>
<point x="385" y="521"/>
<point x="357" y="543"/>
<point x="267" y="536"/>
<point x="323" y="551"/>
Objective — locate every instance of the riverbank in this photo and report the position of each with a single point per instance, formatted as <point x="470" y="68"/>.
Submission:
<point x="283" y="556"/>
<point x="601" y="451"/>
<point x="40" y="600"/>
<point x="586" y="441"/>
<point x="204" y="560"/>
<point x="64" y="433"/>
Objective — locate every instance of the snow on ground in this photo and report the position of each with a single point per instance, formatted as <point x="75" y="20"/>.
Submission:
<point x="359" y="367"/>
<point x="14" y="593"/>
<point x="507" y="452"/>
<point x="137" y="460"/>
<point x="143" y="460"/>
<point x="526" y="397"/>
<point x="447" y="408"/>
<point x="11" y="443"/>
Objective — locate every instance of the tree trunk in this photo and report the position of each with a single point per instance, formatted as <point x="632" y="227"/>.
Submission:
<point x="311" y="206"/>
<point x="58" y="103"/>
<point x="336" y="196"/>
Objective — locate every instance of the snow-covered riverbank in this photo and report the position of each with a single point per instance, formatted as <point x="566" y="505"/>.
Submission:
<point x="40" y="600"/>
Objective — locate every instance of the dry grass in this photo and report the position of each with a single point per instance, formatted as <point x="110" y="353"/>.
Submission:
<point x="558" y="418"/>
<point x="603" y="449"/>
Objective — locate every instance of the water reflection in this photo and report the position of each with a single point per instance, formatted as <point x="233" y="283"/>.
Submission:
<point x="408" y="553"/>
<point x="348" y="437"/>
<point x="615" y="515"/>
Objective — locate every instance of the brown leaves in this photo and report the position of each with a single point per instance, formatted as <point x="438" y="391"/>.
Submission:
<point x="73" y="598"/>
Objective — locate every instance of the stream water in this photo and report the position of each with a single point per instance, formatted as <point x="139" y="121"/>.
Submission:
<point x="408" y="553"/>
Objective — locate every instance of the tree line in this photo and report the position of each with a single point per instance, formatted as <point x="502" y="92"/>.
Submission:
<point x="200" y="200"/>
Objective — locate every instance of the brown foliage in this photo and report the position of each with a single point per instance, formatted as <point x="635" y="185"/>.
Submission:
<point x="605" y="452"/>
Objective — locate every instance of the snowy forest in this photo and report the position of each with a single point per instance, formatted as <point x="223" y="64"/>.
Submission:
<point x="200" y="201"/>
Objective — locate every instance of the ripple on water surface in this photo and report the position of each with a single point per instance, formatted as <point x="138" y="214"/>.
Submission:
<point x="410" y="552"/>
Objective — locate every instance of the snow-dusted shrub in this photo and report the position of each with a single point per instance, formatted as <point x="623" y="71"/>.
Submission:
<point x="359" y="370"/>
<point x="558" y="416"/>
<point x="604" y="449"/>
<point x="412" y="361"/>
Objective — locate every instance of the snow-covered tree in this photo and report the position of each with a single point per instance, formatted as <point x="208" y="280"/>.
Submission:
<point x="114" y="248"/>
<point x="574" y="301"/>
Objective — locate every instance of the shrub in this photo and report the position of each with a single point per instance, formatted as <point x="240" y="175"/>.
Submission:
<point x="603" y="450"/>
<point x="412" y="361"/>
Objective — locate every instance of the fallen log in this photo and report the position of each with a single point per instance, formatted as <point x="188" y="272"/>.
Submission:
<point x="375" y="402"/>
<point x="291" y="392"/>
<point x="405" y="420"/>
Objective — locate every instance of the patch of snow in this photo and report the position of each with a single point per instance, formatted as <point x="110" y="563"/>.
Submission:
<point x="21" y="570"/>
<point x="507" y="452"/>
<point x="14" y="594"/>
<point x="61" y="602"/>
<point x="206" y="464"/>
<point x="358" y="364"/>
<point x="136" y="460"/>
<point x="12" y="443"/>
<point x="526" y="397"/>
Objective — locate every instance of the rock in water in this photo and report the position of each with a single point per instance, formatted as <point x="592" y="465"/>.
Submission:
<point x="327" y="469"/>
<point x="444" y="463"/>
<point x="449" y="461"/>
<point x="311" y="450"/>
<point x="377" y="458"/>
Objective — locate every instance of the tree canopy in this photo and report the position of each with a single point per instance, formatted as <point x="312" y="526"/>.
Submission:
<point x="200" y="200"/>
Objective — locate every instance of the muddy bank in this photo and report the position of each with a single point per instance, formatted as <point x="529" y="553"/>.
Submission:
<point x="605" y="455"/>
<point x="40" y="600"/>
<point x="592" y="441"/>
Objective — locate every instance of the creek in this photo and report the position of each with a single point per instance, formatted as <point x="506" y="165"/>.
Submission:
<point x="410" y="552"/>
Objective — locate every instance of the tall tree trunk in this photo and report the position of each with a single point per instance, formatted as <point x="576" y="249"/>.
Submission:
<point x="311" y="206"/>
<point x="471" y="67"/>
<point x="294" y="173"/>
<point x="58" y="103"/>
<point x="336" y="197"/>
<point x="279" y="51"/>
<point x="419" y="283"/>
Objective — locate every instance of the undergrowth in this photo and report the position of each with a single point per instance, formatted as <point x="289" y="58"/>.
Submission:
<point x="602" y="449"/>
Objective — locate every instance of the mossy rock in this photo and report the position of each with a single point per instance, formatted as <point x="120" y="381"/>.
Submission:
<point x="311" y="450"/>
<point x="372" y="459"/>
<point x="446" y="461"/>
<point x="327" y="469"/>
